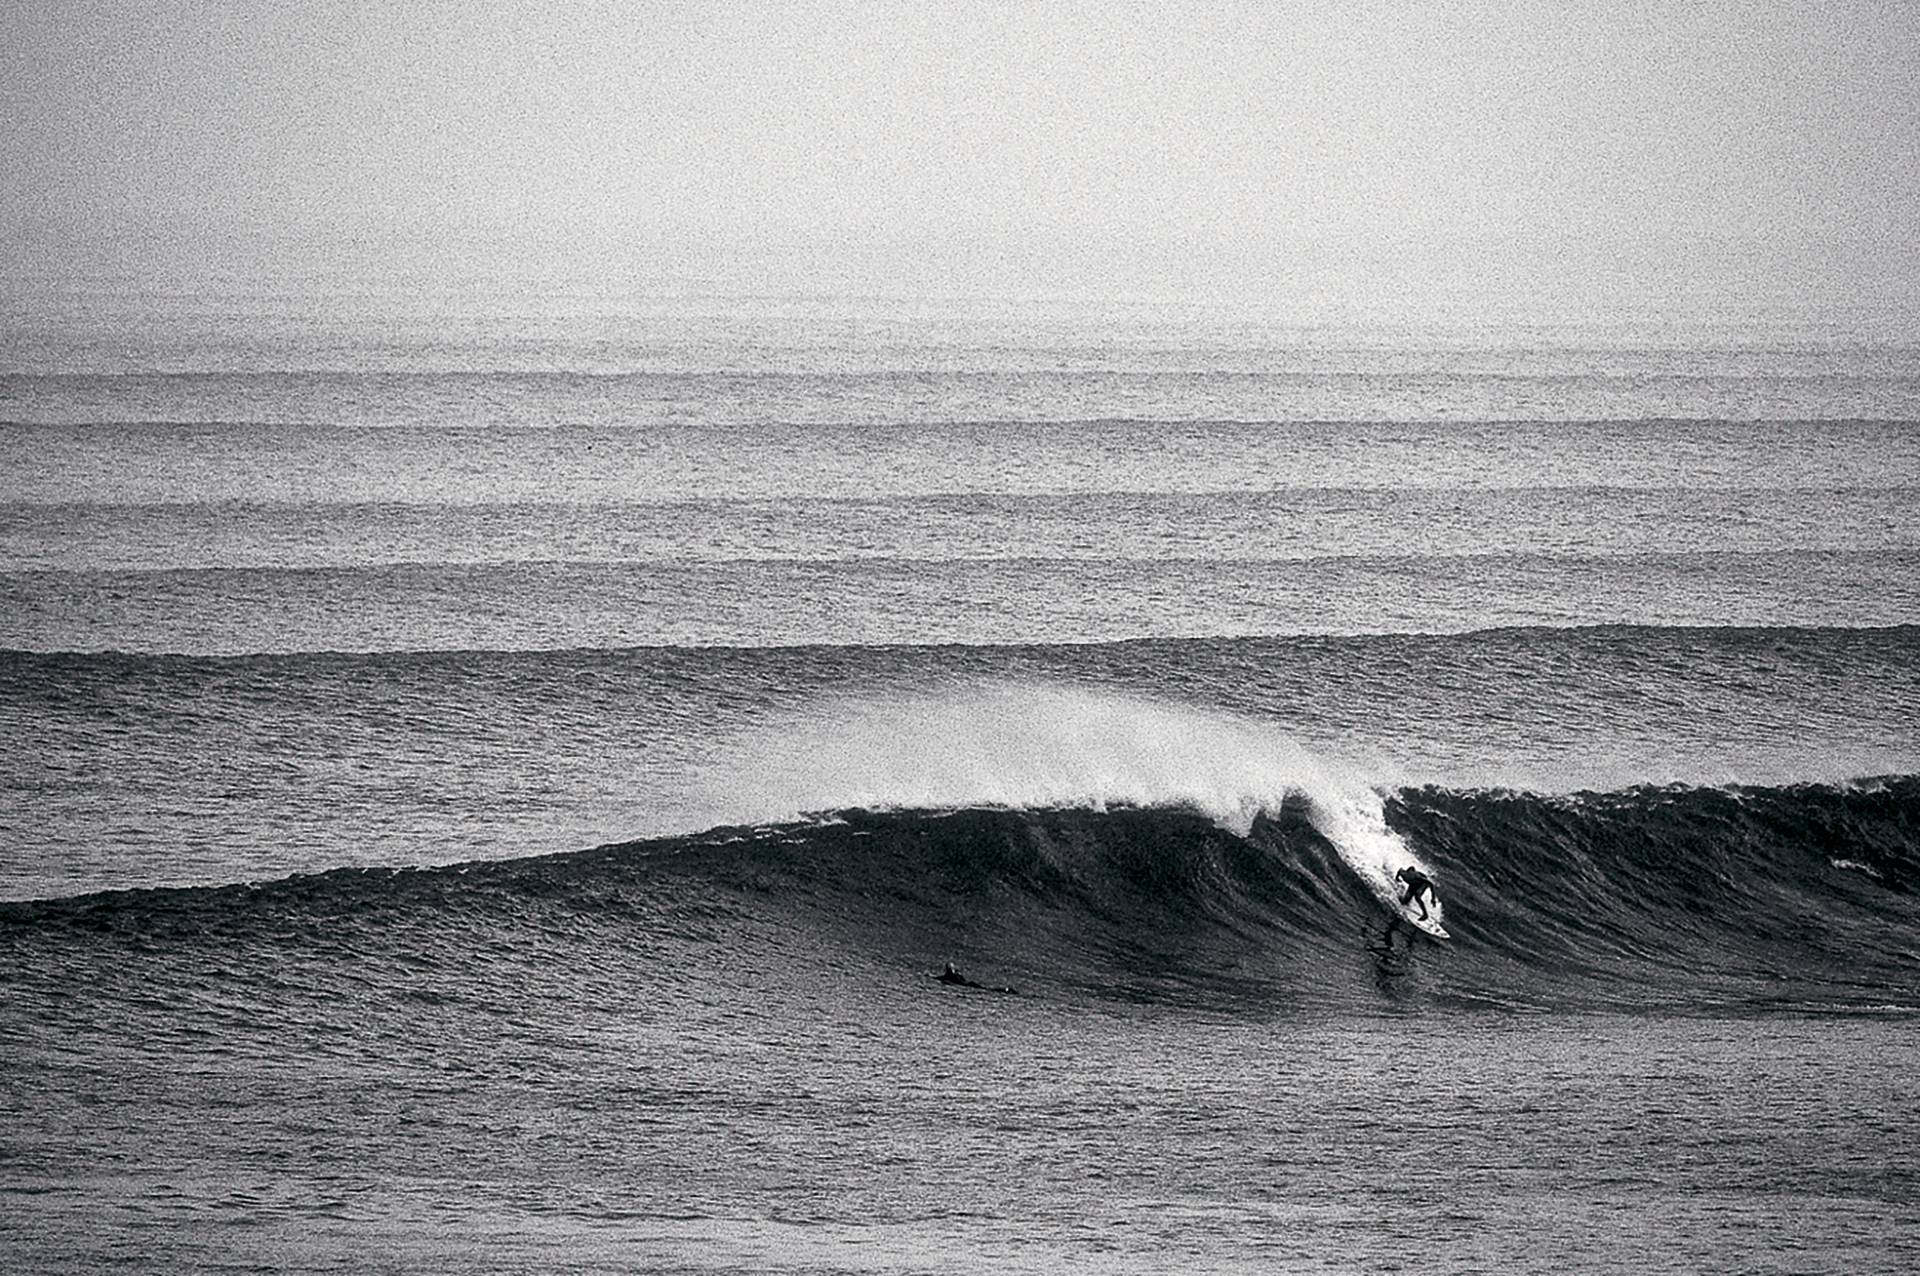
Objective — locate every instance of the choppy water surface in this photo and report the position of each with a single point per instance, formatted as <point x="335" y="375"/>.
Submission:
<point x="1118" y="657"/>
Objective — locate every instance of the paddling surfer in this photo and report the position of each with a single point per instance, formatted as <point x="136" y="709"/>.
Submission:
<point x="952" y="976"/>
<point x="955" y="979"/>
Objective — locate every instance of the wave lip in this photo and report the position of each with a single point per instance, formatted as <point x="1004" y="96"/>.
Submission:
<point x="1024" y="745"/>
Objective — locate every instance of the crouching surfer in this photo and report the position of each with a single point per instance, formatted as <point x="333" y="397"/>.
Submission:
<point x="1419" y="889"/>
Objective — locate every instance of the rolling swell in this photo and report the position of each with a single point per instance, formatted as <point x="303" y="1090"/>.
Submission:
<point x="1654" y="897"/>
<point x="1766" y="894"/>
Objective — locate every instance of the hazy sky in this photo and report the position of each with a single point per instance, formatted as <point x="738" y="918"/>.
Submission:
<point x="1351" y="151"/>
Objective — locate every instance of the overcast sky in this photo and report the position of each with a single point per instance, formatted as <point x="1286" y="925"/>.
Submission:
<point x="1576" y="151"/>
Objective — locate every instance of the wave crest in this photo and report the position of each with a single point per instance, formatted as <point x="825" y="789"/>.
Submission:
<point x="1035" y="747"/>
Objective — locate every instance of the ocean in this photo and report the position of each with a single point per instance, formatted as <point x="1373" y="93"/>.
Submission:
<point x="489" y="782"/>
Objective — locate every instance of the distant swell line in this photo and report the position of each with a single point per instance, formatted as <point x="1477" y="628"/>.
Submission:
<point x="967" y="498"/>
<point x="923" y="424"/>
<point x="686" y="565"/>
<point x="1813" y="637"/>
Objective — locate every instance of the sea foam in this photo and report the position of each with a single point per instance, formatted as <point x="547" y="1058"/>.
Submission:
<point x="1025" y="745"/>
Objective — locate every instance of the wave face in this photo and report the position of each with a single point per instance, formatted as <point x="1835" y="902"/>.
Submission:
<point x="136" y="770"/>
<point x="1707" y="898"/>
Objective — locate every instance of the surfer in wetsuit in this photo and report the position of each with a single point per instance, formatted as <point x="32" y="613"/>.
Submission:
<point x="952" y="976"/>
<point x="958" y="980"/>
<point x="1419" y="886"/>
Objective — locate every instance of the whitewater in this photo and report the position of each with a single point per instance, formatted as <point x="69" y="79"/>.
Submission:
<point x="1038" y="747"/>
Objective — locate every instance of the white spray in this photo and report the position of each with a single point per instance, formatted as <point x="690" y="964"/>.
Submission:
<point x="1031" y="746"/>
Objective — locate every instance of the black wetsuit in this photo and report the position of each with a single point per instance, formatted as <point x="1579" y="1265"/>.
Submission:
<point x="955" y="979"/>
<point x="1418" y="885"/>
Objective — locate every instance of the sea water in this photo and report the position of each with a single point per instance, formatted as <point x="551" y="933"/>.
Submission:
<point x="1113" y="653"/>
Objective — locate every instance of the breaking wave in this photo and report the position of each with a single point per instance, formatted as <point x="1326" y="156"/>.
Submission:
<point x="1650" y="897"/>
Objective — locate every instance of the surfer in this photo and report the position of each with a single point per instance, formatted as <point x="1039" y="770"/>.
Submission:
<point x="958" y="980"/>
<point x="952" y="976"/>
<point x="1419" y="886"/>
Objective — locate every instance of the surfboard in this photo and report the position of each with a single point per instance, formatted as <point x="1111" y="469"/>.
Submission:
<point x="1389" y="892"/>
<point x="1411" y="914"/>
<point x="1430" y="924"/>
